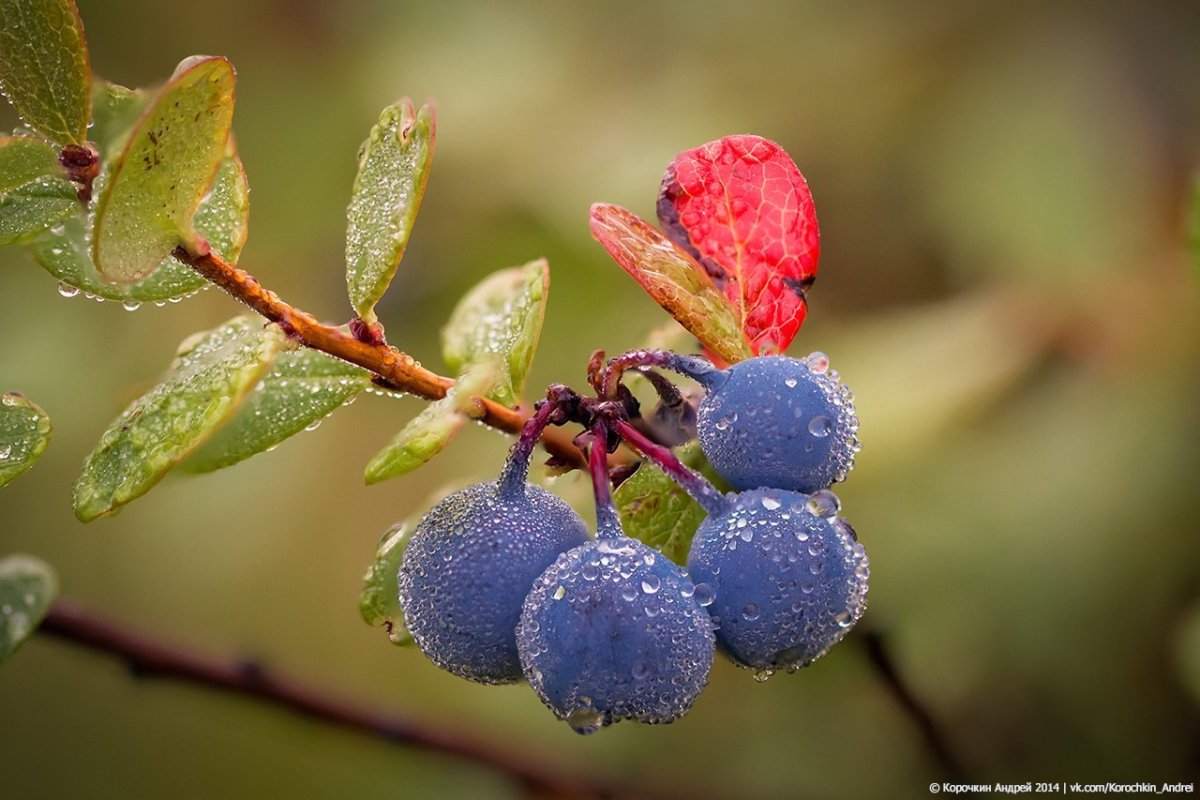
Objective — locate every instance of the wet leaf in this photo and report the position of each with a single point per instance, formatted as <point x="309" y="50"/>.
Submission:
<point x="169" y="163"/>
<point x="44" y="70"/>
<point x="222" y="219"/>
<point x="28" y="587"/>
<point x="115" y="112"/>
<point x="672" y="278"/>
<point x="500" y="319"/>
<point x="301" y="388"/>
<point x="741" y="207"/>
<point x="655" y="510"/>
<point x="393" y="166"/>
<point x="34" y="192"/>
<point x="24" y="435"/>
<point x="379" y="602"/>
<point x="211" y="376"/>
<point x="429" y="432"/>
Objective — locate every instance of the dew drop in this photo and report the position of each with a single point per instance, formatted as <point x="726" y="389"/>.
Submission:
<point x="131" y="305"/>
<point x="651" y="583"/>
<point x="559" y="593"/>
<point x="750" y="612"/>
<point x="703" y="594"/>
<point x="67" y="290"/>
<point x="820" y="426"/>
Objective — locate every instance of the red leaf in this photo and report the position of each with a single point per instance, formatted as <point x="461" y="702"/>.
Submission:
<point x="742" y="209"/>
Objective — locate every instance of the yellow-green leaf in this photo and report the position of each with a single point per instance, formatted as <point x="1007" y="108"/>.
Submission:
<point x="672" y="278"/>
<point x="24" y="434"/>
<point x="34" y="192"/>
<point x="302" y="388"/>
<point x="211" y="376"/>
<point x="393" y="166"/>
<point x="44" y="70"/>
<point x="222" y="219"/>
<point x="500" y="318"/>
<point x="379" y="602"/>
<point x="27" y="588"/>
<point x="115" y="111"/>
<point x="171" y="159"/>
<point x="429" y="432"/>
<point x="657" y="511"/>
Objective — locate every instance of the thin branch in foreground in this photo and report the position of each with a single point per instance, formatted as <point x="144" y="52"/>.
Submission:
<point x="397" y="369"/>
<point x="881" y="661"/>
<point x="148" y="658"/>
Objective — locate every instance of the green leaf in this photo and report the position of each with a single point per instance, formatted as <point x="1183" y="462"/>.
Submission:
<point x="34" y="193"/>
<point x="429" y="432"/>
<point x="301" y="388"/>
<point x="27" y="588"/>
<point x="393" y="166"/>
<point x="115" y="112"/>
<point x="171" y="159"/>
<point x="24" y="435"/>
<point x="672" y="278"/>
<point x="210" y="378"/>
<point x="500" y="318"/>
<point x="222" y="219"/>
<point x="655" y="510"/>
<point x="379" y="602"/>
<point x="44" y="70"/>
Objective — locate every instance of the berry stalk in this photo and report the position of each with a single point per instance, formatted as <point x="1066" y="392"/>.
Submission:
<point x="608" y="521"/>
<point x="552" y="410"/>
<point x="692" y="482"/>
<point x="698" y="368"/>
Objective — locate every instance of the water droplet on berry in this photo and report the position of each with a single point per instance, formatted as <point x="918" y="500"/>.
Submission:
<point x="750" y="612"/>
<point x="703" y="594"/>
<point x="820" y="426"/>
<point x="559" y="593"/>
<point x="824" y="503"/>
<point x="651" y="583"/>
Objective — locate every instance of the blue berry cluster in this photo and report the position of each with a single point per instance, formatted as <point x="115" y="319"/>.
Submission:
<point x="501" y="581"/>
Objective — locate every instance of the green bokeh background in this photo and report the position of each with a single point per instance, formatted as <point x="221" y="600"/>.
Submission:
<point x="1002" y="188"/>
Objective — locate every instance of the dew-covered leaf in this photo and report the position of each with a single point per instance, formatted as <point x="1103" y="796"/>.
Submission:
<point x="211" y="376"/>
<point x="500" y="318"/>
<point x="393" y="166"/>
<point x="34" y="192"/>
<point x="379" y="602"/>
<point x="741" y="207"/>
<point x="24" y="434"/>
<point x="655" y="510"/>
<point x="44" y="70"/>
<point x="169" y="162"/>
<point x="301" y="388"/>
<point x="115" y="112"/>
<point x="429" y="432"/>
<point x="222" y="219"/>
<point x="672" y="278"/>
<point x="28" y="587"/>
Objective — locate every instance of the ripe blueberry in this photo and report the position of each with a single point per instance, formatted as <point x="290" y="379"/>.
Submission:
<point x="779" y="422"/>
<point x="786" y="577"/>
<point x="470" y="563"/>
<point x="612" y="631"/>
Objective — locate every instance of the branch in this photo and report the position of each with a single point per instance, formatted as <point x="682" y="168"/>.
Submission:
<point x="148" y="658"/>
<point x="880" y="659"/>
<point x="399" y="370"/>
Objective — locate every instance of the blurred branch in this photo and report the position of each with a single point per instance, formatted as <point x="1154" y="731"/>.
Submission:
<point x="880" y="659"/>
<point x="147" y="658"/>
<point x="396" y="369"/>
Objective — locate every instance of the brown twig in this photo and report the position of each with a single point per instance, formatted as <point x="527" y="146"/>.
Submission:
<point x="397" y="369"/>
<point x="148" y="658"/>
<point x="882" y="663"/>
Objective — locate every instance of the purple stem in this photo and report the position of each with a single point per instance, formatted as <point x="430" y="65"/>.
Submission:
<point x="608" y="521"/>
<point x="516" y="468"/>
<point x="698" y="368"/>
<point x="692" y="482"/>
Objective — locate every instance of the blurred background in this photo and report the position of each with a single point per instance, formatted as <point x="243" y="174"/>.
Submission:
<point x="1002" y="188"/>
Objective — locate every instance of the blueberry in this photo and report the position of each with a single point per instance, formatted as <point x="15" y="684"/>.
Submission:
<point x="612" y="631"/>
<point x="470" y="564"/>
<point x="779" y="422"/>
<point x="786" y="576"/>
